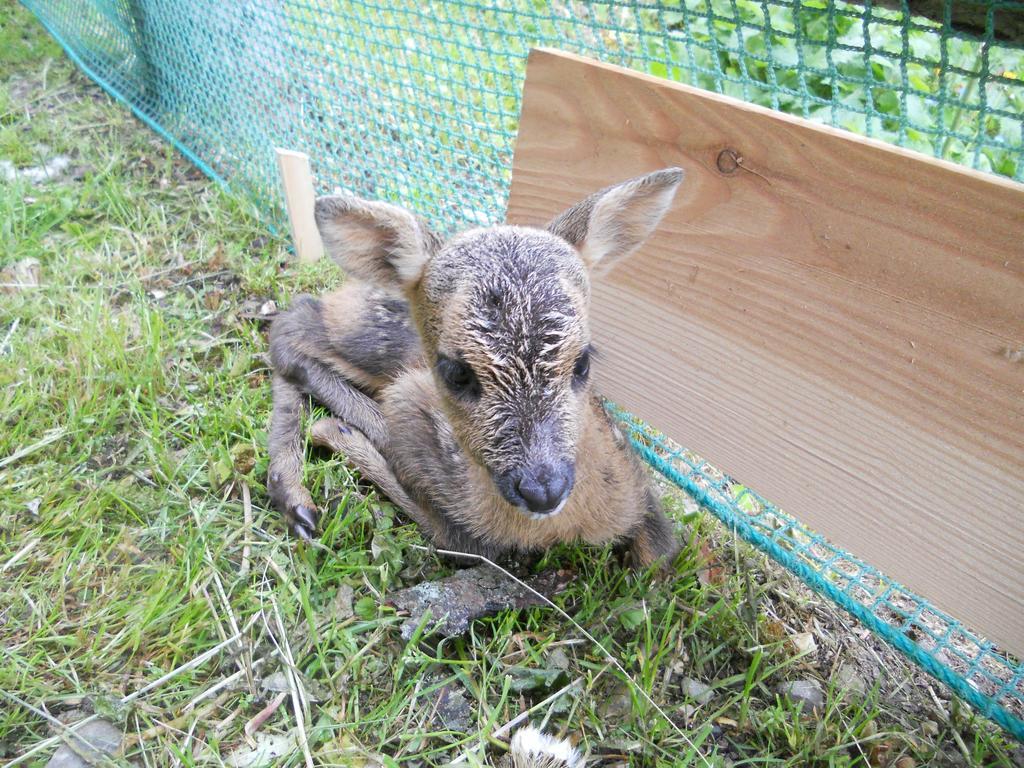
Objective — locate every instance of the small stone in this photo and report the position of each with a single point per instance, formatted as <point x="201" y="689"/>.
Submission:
<point x="341" y="606"/>
<point x="453" y="709"/>
<point x="806" y="693"/>
<point x="804" y="642"/>
<point x="268" y="308"/>
<point x="849" y="681"/>
<point x="906" y="762"/>
<point x="616" y="706"/>
<point x="681" y="665"/>
<point x="559" y="659"/>
<point x="697" y="690"/>
<point x="95" y="741"/>
<point x="930" y="728"/>
<point x="52" y="170"/>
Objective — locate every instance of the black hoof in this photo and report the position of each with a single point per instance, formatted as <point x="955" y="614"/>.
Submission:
<point x="304" y="521"/>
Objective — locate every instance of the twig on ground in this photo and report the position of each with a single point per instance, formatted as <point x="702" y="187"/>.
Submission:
<point x="257" y="721"/>
<point x="294" y="681"/>
<point x="197" y="661"/>
<point x="944" y="715"/>
<point x="243" y="570"/>
<point x="225" y="682"/>
<point x="51" y="437"/>
<point x="175" y="724"/>
<point x="503" y="729"/>
<point x="17" y="556"/>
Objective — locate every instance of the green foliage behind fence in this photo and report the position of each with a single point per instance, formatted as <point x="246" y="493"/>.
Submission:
<point x="419" y="102"/>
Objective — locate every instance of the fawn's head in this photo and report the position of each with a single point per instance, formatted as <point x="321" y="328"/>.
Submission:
<point x="502" y="312"/>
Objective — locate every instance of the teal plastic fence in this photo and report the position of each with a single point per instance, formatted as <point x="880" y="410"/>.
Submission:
<point x="418" y="103"/>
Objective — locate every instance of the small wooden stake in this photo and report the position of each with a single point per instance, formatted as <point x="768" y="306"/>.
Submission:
<point x="298" y="194"/>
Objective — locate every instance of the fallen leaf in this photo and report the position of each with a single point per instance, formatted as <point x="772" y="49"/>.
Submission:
<point x="19" y="276"/>
<point x="212" y="299"/>
<point x="558" y="659"/>
<point x="878" y="754"/>
<point x="217" y="261"/>
<point x="710" y="572"/>
<point x="774" y="631"/>
<point x="219" y="473"/>
<point x="269" y="747"/>
<point x="531" y="678"/>
<point x="279" y="682"/>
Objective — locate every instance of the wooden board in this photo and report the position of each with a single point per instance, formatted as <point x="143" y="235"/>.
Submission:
<point x="827" y="322"/>
<point x="297" y="182"/>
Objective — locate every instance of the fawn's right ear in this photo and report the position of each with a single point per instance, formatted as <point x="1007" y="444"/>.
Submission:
<point x="375" y="241"/>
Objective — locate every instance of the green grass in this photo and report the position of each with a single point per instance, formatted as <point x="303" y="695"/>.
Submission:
<point x="133" y="405"/>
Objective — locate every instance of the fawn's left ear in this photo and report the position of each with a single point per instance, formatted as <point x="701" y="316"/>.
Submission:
<point x="376" y="241"/>
<point x="612" y="223"/>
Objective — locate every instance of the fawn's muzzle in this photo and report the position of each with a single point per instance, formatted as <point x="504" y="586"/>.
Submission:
<point x="540" y="489"/>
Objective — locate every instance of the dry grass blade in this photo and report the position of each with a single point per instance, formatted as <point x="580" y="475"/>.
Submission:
<point x="51" y="437"/>
<point x="280" y="640"/>
<point x="8" y="335"/>
<point x="243" y="570"/>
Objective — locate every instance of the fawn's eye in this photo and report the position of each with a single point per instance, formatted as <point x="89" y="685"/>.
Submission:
<point x="581" y="371"/>
<point x="458" y="377"/>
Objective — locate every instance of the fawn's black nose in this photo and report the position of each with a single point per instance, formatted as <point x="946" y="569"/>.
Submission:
<point x="545" y="486"/>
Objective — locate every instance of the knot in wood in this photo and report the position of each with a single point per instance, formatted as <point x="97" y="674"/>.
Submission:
<point x="728" y="161"/>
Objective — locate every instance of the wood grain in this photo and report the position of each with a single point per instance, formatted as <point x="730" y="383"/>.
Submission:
<point x="826" y="322"/>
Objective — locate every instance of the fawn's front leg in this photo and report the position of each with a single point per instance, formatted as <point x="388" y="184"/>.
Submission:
<point x="654" y="540"/>
<point x="284" y="476"/>
<point x="363" y="455"/>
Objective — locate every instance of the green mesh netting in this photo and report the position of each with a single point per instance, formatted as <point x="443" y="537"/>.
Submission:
<point x="418" y="103"/>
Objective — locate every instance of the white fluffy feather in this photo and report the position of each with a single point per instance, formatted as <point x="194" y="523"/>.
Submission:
<point x="532" y="749"/>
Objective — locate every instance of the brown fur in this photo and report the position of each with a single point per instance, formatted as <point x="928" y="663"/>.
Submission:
<point x="479" y="424"/>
